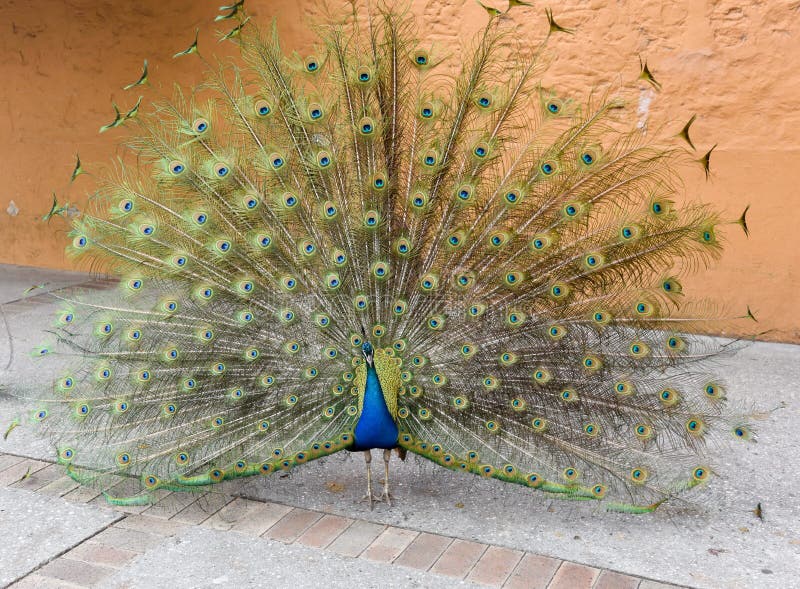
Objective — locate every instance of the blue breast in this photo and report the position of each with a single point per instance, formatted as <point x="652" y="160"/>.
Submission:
<point x="375" y="427"/>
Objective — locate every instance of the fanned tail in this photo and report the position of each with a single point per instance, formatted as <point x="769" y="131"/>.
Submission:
<point x="518" y="254"/>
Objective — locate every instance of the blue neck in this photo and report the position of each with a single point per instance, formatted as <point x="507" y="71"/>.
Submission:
<point x="375" y="427"/>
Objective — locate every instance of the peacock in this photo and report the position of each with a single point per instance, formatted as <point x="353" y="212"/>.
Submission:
<point x="349" y="249"/>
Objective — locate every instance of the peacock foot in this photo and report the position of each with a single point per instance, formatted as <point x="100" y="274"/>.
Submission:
<point x="386" y="497"/>
<point x="370" y="498"/>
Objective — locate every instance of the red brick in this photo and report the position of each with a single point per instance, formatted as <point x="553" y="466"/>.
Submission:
<point x="7" y="460"/>
<point x="202" y="509"/>
<point x="389" y="545"/>
<point x="60" y="486"/>
<point x="612" y="580"/>
<point x="423" y="551"/>
<point x="132" y="540"/>
<point x="14" y="473"/>
<point x="290" y="526"/>
<point x="151" y="525"/>
<point x="172" y="504"/>
<point x="82" y="494"/>
<point x="96" y="553"/>
<point x="571" y="575"/>
<point x="262" y="518"/>
<point x="236" y="511"/>
<point x="459" y="558"/>
<point x="324" y="531"/>
<point x="75" y="571"/>
<point x="40" y="478"/>
<point x="647" y="584"/>
<point x="355" y="539"/>
<point x="495" y="566"/>
<point x="533" y="572"/>
<point x="36" y="581"/>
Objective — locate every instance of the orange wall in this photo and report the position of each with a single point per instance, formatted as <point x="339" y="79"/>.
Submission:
<point x="732" y="62"/>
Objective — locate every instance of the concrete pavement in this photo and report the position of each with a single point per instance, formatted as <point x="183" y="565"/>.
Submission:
<point x="438" y="515"/>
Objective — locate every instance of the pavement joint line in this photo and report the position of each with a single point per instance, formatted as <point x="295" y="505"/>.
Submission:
<point x="232" y="497"/>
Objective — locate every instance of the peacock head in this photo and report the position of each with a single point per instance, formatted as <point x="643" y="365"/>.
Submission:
<point x="368" y="351"/>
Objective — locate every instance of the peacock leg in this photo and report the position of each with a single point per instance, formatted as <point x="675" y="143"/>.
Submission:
<point x="368" y="497"/>
<point x="385" y="496"/>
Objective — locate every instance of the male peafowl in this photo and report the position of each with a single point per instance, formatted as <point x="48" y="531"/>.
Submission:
<point x="347" y="250"/>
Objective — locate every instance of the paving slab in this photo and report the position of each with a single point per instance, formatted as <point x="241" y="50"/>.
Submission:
<point x="713" y="540"/>
<point x="36" y="528"/>
<point x="243" y="561"/>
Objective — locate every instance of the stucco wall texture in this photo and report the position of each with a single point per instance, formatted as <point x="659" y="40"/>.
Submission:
<point x="733" y="63"/>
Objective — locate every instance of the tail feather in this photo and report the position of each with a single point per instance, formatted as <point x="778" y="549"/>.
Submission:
<point x="526" y="271"/>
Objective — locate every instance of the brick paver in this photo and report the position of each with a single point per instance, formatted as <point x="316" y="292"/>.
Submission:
<point x="459" y="558"/>
<point x="92" y="561"/>
<point x="389" y="545"/>
<point x="495" y="566"/>
<point x="151" y="525"/>
<point x="40" y="478"/>
<point x="202" y="509"/>
<point x="75" y="571"/>
<point x="533" y="572"/>
<point x="82" y="495"/>
<point x="424" y="551"/>
<point x="36" y="581"/>
<point x="324" y="531"/>
<point x="571" y="575"/>
<point x="15" y="473"/>
<point x="133" y="540"/>
<point x="102" y="554"/>
<point x="612" y="580"/>
<point x="7" y="460"/>
<point x="290" y="526"/>
<point x="355" y="539"/>
<point x="172" y="504"/>
<point x="261" y="519"/>
<point x="61" y="486"/>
